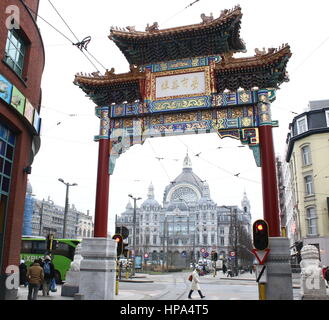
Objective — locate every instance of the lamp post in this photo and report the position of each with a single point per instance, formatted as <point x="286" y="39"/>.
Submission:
<point x="188" y="221"/>
<point x="41" y="216"/>
<point x="68" y="185"/>
<point x="134" y="229"/>
<point x="234" y="236"/>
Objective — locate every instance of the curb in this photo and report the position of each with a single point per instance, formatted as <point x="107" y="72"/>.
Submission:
<point x="137" y="281"/>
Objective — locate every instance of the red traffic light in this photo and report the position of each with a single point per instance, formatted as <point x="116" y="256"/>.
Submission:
<point x="260" y="234"/>
<point x="118" y="239"/>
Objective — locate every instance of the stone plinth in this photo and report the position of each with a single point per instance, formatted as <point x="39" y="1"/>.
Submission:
<point x="71" y="285"/>
<point x="97" y="269"/>
<point x="312" y="283"/>
<point x="279" y="278"/>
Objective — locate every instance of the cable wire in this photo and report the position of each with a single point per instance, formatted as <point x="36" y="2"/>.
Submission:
<point x="84" y="46"/>
<point x="58" y="31"/>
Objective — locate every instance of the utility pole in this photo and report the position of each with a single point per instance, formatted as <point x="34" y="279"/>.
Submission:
<point x="68" y="185"/>
<point x="134" y="230"/>
<point x="41" y="215"/>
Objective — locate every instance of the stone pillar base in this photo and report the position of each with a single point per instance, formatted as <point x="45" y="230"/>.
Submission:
<point x="279" y="278"/>
<point x="314" y="297"/>
<point x="71" y="286"/>
<point x="97" y="269"/>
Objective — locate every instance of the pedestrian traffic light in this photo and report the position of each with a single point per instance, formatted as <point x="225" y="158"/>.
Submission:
<point x="119" y="241"/>
<point x="260" y="234"/>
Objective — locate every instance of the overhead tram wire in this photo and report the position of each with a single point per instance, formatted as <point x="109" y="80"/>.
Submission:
<point x="58" y="31"/>
<point x="164" y="169"/>
<point x="222" y="169"/>
<point x="176" y="14"/>
<point x="75" y="36"/>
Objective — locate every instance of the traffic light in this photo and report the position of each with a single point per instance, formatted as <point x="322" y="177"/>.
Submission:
<point x="119" y="241"/>
<point x="124" y="250"/>
<point x="260" y="234"/>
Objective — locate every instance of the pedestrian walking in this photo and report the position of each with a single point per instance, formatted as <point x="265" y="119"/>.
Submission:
<point x="35" y="277"/>
<point x="325" y="273"/>
<point x="224" y="269"/>
<point x="49" y="274"/>
<point x="195" y="284"/>
<point x="229" y="272"/>
<point x="23" y="274"/>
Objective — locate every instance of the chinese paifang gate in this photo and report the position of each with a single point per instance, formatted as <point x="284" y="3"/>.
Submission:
<point x="186" y="80"/>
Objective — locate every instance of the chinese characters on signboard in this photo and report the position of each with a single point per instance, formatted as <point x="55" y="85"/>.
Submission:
<point x="181" y="85"/>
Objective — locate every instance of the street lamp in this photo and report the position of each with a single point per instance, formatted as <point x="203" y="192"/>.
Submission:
<point x="188" y="221"/>
<point x="134" y="229"/>
<point x="68" y="185"/>
<point x="234" y="236"/>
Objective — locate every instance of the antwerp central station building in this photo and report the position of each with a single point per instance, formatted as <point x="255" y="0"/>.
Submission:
<point x="188" y="224"/>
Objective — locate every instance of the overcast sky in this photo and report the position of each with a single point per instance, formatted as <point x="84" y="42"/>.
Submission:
<point x="69" y="124"/>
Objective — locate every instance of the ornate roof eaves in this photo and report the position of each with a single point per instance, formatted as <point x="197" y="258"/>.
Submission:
<point x="261" y="58"/>
<point x="109" y="77"/>
<point x="130" y="32"/>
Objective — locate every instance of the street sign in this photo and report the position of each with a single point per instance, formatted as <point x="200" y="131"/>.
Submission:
<point x="261" y="274"/>
<point x="232" y="253"/>
<point x="205" y="254"/>
<point x="261" y="255"/>
<point x="146" y="256"/>
<point x="203" y="250"/>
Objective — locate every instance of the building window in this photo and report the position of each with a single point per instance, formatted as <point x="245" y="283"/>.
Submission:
<point x="154" y="239"/>
<point x="222" y="241"/>
<point x="205" y="240"/>
<point x="212" y="239"/>
<point x="7" y="150"/>
<point x="327" y="117"/>
<point x="311" y="218"/>
<point x="309" y="185"/>
<point x="15" y="51"/>
<point x="221" y="230"/>
<point x="302" y="125"/>
<point x="306" y="155"/>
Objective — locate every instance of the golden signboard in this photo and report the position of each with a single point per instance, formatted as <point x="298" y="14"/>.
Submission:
<point x="177" y="84"/>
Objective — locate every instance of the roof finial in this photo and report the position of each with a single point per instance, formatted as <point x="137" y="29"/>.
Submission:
<point x="187" y="164"/>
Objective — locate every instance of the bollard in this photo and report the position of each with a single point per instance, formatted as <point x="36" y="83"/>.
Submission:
<point x="117" y="279"/>
<point x="262" y="291"/>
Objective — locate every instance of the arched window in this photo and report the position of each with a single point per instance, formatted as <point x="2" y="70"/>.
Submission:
<point x="306" y="155"/>
<point x="312" y="224"/>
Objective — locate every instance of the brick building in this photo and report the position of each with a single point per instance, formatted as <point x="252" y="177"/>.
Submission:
<point x="22" y="61"/>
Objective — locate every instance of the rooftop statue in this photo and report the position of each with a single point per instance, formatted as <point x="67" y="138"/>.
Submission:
<point x="153" y="27"/>
<point x="206" y="19"/>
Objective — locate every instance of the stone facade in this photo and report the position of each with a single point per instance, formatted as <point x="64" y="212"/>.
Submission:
<point x="46" y="217"/>
<point x="187" y="221"/>
<point x="306" y="180"/>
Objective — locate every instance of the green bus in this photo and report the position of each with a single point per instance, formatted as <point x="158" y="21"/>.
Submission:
<point x="34" y="248"/>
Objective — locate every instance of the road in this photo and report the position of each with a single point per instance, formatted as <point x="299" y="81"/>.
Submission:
<point x="175" y="286"/>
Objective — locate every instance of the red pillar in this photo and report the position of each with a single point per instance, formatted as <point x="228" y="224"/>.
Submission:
<point x="269" y="180"/>
<point x="102" y="190"/>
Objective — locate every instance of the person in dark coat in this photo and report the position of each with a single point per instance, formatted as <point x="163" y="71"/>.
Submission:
<point x="49" y="274"/>
<point x="224" y="268"/>
<point x="23" y="274"/>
